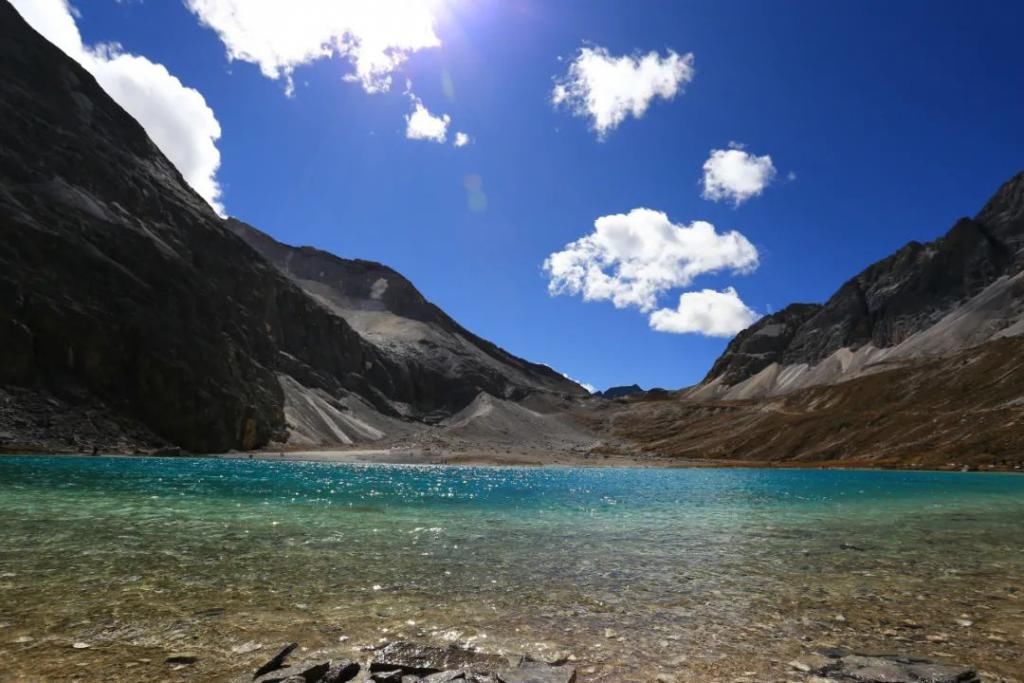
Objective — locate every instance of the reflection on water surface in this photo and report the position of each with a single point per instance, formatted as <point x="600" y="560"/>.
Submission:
<point x="704" y="573"/>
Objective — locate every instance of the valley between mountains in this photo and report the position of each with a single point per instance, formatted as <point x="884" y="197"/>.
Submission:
<point x="135" y="319"/>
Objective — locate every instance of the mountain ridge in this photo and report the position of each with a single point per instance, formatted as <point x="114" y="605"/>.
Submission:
<point x="892" y="299"/>
<point x="913" y="362"/>
<point x="387" y="310"/>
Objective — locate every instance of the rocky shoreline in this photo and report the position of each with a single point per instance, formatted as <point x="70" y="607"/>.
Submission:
<point x="409" y="662"/>
<point x="500" y="458"/>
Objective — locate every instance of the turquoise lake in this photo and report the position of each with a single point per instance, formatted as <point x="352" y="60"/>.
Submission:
<point x="107" y="565"/>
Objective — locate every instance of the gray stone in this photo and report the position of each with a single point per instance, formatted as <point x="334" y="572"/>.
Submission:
<point x="537" y="672"/>
<point x="445" y="677"/>
<point x="940" y="673"/>
<point x="887" y="668"/>
<point x="423" y="660"/>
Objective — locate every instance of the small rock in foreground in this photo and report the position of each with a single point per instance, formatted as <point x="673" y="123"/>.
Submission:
<point x="836" y="666"/>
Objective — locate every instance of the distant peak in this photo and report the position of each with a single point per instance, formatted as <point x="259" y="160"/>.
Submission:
<point x="1006" y="205"/>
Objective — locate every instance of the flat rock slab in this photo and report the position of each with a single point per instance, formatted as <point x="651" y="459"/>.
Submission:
<point x="406" y="662"/>
<point x="423" y="660"/>
<point x="445" y="677"/>
<point x="537" y="672"/>
<point x="837" y="666"/>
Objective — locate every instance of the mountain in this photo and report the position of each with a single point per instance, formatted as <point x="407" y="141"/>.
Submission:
<point x="620" y="392"/>
<point x="916" y="361"/>
<point x="962" y="410"/>
<point x="132" y="315"/>
<point x="924" y="301"/>
<point x="448" y="364"/>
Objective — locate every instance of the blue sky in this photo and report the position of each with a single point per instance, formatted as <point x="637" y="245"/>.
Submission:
<point x="884" y="123"/>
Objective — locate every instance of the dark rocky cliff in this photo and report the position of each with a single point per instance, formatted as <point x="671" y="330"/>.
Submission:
<point x="117" y="281"/>
<point x="121" y="288"/>
<point x="892" y="299"/>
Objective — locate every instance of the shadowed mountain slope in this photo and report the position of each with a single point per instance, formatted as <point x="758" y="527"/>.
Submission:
<point x="128" y="302"/>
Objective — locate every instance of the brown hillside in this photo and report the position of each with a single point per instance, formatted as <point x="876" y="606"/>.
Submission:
<point x="965" y="409"/>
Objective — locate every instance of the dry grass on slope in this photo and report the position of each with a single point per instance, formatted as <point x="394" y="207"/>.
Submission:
<point x="965" y="409"/>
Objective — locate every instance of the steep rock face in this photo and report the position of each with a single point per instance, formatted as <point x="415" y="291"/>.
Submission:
<point x="893" y="299"/>
<point x="448" y="365"/>
<point x="761" y="344"/>
<point x="118" y="283"/>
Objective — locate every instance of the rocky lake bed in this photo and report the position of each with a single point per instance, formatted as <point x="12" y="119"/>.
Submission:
<point x="128" y="569"/>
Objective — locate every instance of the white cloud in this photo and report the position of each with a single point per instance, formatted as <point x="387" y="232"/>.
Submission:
<point x="422" y="125"/>
<point x="707" y="312"/>
<point x="735" y="174"/>
<point x="588" y="387"/>
<point x="631" y="258"/>
<point x="607" y="89"/>
<point x="175" y="117"/>
<point x="376" y="36"/>
<point x="461" y="139"/>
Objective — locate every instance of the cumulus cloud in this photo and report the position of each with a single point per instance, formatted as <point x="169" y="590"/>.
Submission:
<point x="708" y="312"/>
<point x="177" y="118"/>
<point x="631" y="258"/>
<point x="606" y="89"/>
<point x="736" y="175"/>
<point x="375" y="36"/>
<point x="422" y="125"/>
<point x="461" y="139"/>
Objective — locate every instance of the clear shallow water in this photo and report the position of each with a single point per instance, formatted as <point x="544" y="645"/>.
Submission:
<point x="704" y="573"/>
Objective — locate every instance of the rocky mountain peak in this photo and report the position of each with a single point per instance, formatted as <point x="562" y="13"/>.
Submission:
<point x="1004" y="212"/>
<point x="891" y="300"/>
